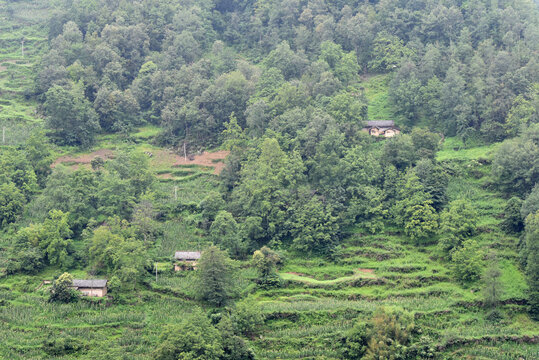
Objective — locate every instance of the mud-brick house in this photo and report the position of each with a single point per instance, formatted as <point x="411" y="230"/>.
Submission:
<point x="385" y="128"/>
<point x="97" y="287"/>
<point x="186" y="260"/>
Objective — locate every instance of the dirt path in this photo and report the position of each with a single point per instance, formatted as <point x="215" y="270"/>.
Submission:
<point x="366" y="271"/>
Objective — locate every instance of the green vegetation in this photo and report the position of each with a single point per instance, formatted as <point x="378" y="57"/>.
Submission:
<point x="231" y="131"/>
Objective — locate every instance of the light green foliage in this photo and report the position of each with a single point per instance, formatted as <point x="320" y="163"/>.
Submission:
<point x="348" y="107"/>
<point x="61" y="290"/>
<point x="53" y="237"/>
<point x="493" y="287"/>
<point x="215" y="277"/>
<point x="265" y="261"/>
<point x="421" y="221"/>
<point x="15" y="167"/>
<point x="11" y="203"/>
<point x="467" y="261"/>
<point x="457" y="223"/>
<point x="115" y="250"/>
<point x="117" y="110"/>
<point x="210" y="206"/>
<point x="233" y="135"/>
<point x="356" y="340"/>
<point x="39" y="153"/>
<point x="267" y="182"/>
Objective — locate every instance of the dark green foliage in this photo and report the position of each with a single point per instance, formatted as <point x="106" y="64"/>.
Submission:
<point x="70" y="117"/>
<point x="195" y="338"/>
<point x="53" y="237"/>
<point x="434" y="180"/>
<point x="457" y="222"/>
<point x="247" y="319"/>
<point x="314" y="228"/>
<point x="234" y="347"/>
<point x="215" y="274"/>
<point x="400" y="151"/>
<point x="61" y="345"/>
<point x="532" y="261"/>
<point x="224" y="231"/>
<point x="515" y="166"/>
<point x="531" y="203"/>
<point x="356" y="341"/>
<point x="61" y="290"/>
<point x="512" y="220"/>
<point x="414" y="210"/>
<point x="387" y="335"/>
<point x="467" y="261"/>
<point x="265" y="261"/>
<point x="11" y="203"/>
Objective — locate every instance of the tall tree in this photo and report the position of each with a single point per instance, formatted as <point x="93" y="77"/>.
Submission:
<point x="215" y="277"/>
<point x="70" y="116"/>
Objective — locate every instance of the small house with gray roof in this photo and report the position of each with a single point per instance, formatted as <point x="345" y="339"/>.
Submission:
<point x="186" y="260"/>
<point x="95" y="287"/>
<point x="385" y="128"/>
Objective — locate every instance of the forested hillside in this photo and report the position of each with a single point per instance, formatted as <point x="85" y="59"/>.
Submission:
<point x="136" y="129"/>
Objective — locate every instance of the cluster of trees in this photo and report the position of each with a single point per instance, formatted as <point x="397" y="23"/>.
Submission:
<point x="107" y="208"/>
<point x="300" y="191"/>
<point x="388" y="335"/>
<point x="188" y="66"/>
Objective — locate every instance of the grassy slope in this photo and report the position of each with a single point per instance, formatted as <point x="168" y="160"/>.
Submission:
<point x="20" y="20"/>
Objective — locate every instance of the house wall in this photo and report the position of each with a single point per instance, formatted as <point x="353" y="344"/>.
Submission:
<point x="97" y="292"/>
<point x="185" y="265"/>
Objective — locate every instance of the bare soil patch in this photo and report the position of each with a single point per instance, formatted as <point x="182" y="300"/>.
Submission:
<point x="214" y="160"/>
<point x="366" y="271"/>
<point x="83" y="159"/>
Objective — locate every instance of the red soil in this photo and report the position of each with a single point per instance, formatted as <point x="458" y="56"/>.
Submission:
<point x="84" y="159"/>
<point x="214" y="160"/>
<point x="367" y="271"/>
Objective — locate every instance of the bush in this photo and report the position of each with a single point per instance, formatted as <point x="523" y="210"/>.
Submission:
<point x="247" y="319"/>
<point x="61" y="345"/>
<point x="467" y="261"/>
<point x="61" y="290"/>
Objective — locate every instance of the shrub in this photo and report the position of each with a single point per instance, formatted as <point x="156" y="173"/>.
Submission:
<point x="61" y="290"/>
<point x="467" y="261"/>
